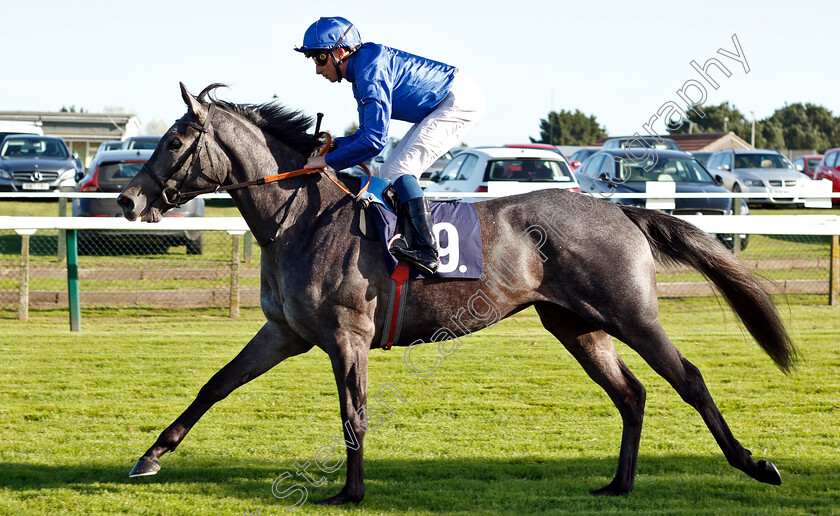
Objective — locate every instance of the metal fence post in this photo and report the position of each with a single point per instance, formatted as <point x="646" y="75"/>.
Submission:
<point x="23" y="286"/>
<point x="834" y="276"/>
<point x="234" y="273"/>
<point x="73" y="281"/>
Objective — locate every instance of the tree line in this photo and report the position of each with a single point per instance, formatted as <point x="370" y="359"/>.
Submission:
<point x="794" y="126"/>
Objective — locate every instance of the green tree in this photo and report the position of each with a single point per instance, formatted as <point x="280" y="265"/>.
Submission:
<point x="769" y="135"/>
<point x="805" y="126"/>
<point x="567" y="128"/>
<point x="716" y="119"/>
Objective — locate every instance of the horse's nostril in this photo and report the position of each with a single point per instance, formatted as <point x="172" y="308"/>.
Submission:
<point x="124" y="202"/>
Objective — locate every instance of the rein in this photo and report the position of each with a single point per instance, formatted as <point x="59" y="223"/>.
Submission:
<point x="171" y="194"/>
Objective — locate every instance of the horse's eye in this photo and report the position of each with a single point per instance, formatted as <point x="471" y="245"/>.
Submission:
<point x="174" y="144"/>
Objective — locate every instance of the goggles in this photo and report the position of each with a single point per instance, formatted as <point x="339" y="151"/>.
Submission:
<point x="321" y="58"/>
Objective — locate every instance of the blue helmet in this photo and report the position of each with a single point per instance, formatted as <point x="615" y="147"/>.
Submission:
<point x="330" y="33"/>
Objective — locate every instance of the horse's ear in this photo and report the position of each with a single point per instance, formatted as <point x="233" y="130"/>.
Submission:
<point x="192" y="103"/>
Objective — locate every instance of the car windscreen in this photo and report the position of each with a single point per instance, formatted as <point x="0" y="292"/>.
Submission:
<point x="28" y="148"/>
<point x="528" y="170"/>
<point x="679" y="170"/>
<point x="813" y="163"/>
<point x="119" y="171"/>
<point x="761" y="160"/>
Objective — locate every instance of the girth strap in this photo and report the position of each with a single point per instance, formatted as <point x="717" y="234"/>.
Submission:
<point x="396" y="309"/>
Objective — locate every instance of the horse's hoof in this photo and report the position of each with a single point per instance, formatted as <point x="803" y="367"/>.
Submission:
<point x="768" y="473"/>
<point x="145" y="467"/>
<point x="340" y="499"/>
<point x="611" y="490"/>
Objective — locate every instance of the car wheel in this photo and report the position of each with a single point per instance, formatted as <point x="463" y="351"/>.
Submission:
<point x="196" y="246"/>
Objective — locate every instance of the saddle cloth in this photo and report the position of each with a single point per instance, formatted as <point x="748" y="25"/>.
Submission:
<point x="456" y="229"/>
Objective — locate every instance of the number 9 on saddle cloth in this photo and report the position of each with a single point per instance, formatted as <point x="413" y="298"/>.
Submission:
<point x="456" y="229"/>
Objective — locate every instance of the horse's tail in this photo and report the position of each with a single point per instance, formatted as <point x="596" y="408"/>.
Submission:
<point x="687" y="244"/>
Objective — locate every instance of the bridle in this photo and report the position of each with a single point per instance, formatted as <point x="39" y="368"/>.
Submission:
<point x="172" y="196"/>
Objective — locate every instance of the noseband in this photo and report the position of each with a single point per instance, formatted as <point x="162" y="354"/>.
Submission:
<point x="173" y="197"/>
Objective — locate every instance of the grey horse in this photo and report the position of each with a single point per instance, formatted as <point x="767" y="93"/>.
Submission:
<point x="586" y="265"/>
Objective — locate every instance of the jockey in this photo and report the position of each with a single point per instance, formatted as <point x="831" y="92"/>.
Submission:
<point x="441" y="101"/>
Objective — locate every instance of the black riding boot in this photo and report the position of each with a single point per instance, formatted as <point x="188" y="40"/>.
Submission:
<point x="419" y="247"/>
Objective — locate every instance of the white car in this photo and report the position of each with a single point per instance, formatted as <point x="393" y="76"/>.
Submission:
<point x="499" y="171"/>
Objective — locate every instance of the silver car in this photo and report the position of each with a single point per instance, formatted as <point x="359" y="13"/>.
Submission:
<point x="759" y="171"/>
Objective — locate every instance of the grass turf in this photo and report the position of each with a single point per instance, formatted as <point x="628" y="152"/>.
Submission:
<point x="508" y="425"/>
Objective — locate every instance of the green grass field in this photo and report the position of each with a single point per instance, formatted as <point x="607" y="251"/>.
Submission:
<point x="508" y="425"/>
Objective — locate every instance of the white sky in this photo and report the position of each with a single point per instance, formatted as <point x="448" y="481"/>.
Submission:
<point x="619" y="61"/>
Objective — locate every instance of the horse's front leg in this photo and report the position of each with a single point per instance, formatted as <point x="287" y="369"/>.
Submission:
<point x="270" y="346"/>
<point x="350" y="363"/>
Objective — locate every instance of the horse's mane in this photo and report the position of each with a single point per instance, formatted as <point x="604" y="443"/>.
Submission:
<point x="287" y="125"/>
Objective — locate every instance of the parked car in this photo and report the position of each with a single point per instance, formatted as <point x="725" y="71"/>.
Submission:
<point x="111" y="171"/>
<point x="808" y="164"/>
<point x="651" y="142"/>
<point x="581" y="155"/>
<point x="629" y="171"/>
<point x="503" y="171"/>
<point x="759" y="171"/>
<point x="140" y="142"/>
<point x="829" y="168"/>
<point x="37" y="163"/>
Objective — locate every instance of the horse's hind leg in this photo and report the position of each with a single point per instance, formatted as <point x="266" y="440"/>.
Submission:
<point x="595" y="352"/>
<point x="651" y="342"/>
<point x="270" y="346"/>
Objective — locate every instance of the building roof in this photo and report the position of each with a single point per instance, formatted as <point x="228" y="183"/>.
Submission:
<point x="79" y="126"/>
<point x="709" y="141"/>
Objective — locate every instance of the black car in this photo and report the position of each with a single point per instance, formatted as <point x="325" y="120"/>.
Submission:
<point x="629" y="170"/>
<point x="111" y="171"/>
<point x="33" y="163"/>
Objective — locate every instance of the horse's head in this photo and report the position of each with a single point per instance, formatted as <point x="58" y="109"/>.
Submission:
<point x="181" y="163"/>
